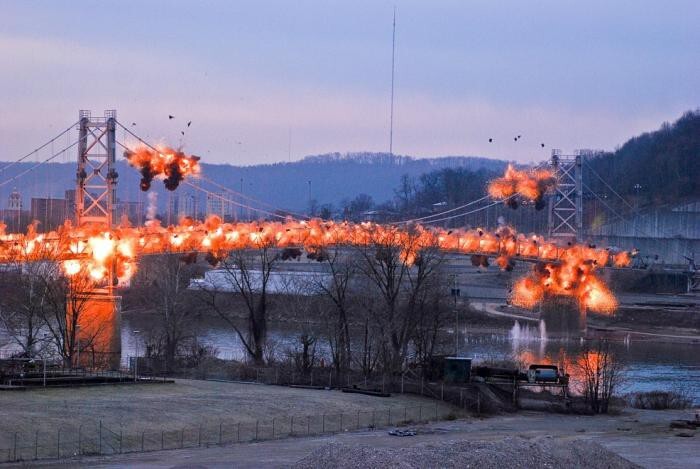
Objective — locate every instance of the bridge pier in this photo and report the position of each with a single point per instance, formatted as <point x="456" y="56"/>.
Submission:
<point x="563" y="317"/>
<point x="98" y="335"/>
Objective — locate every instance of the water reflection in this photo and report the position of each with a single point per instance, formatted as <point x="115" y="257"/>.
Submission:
<point x="650" y="365"/>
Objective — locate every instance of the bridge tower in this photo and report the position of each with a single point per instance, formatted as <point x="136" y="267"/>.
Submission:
<point x="98" y="310"/>
<point x="566" y="203"/>
<point x="96" y="178"/>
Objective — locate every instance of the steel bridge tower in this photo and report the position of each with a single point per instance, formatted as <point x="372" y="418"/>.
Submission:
<point x="95" y="193"/>
<point x="95" y="200"/>
<point x="566" y="203"/>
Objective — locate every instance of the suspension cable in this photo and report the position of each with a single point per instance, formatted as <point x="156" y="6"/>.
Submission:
<point x="538" y="166"/>
<point x="607" y="185"/>
<point x="213" y="182"/>
<point x="471" y="211"/>
<point x="214" y="194"/>
<point x="19" y="160"/>
<point x="26" y="171"/>
<point x="252" y="199"/>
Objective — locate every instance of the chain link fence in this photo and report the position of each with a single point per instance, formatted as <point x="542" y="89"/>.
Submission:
<point x="99" y="439"/>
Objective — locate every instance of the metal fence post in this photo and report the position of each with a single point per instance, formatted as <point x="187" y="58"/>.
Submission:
<point x="14" y="451"/>
<point x="238" y="433"/>
<point x="291" y="426"/>
<point x="143" y="436"/>
<point x="182" y="438"/>
<point x="199" y="436"/>
<point x="80" y="441"/>
<point x="420" y="413"/>
<point x="162" y="439"/>
<point x="323" y="427"/>
<point x="308" y="425"/>
<point x="442" y="391"/>
<point x="220" y="430"/>
<point x="402" y="383"/>
<point x="358" y="419"/>
<point x="273" y="428"/>
<point x="100" y="436"/>
<point x="373" y="425"/>
<point x="121" y="435"/>
<point x="341" y="421"/>
<point x="36" y="445"/>
<point x="257" y="423"/>
<point x="436" y="411"/>
<point x="58" y="444"/>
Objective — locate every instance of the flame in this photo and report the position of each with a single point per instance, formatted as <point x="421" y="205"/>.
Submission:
<point x="529" y="185"/>
<point x="168" y="164"/>
<point x="573" y="277"/>
<point x="561" y="271"/>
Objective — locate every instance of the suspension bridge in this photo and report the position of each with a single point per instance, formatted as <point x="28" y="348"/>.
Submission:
<point x="94" y="242"/>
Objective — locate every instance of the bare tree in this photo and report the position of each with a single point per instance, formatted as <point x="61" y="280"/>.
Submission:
<point x="162" y="286"/>
<point x="247" y="274"/>
<point x="23" y="301"/>
<point x="342" y="270"/>
<point x="600" y="375"/>
<point x="66" y="314"/>
<point x="399" y="268"/>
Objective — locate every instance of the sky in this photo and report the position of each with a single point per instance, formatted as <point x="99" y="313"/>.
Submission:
<point x="270" y="81"/>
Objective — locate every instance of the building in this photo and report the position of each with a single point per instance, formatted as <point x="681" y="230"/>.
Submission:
<point x="13" y="216"/>
<point x="217" y="204"/>
<point x="133" y="211"/>
<point x="187" y="206"/>
<point x="50" y="212"/>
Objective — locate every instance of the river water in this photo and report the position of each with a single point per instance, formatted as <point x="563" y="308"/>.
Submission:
<point x="648" y="365"/>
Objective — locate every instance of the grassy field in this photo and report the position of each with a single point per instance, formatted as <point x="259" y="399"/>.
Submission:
<point x="187" y="403"/>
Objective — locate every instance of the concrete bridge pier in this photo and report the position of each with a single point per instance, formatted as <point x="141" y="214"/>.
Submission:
<point x="563" y="317"/>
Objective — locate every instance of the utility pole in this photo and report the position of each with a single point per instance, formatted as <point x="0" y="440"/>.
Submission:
<point x="310" y="198"/>
<point x="391" y="114"/>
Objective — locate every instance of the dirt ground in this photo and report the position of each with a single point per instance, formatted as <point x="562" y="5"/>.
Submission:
<point x="187" y="403"/>
<point x="642" y="437"/>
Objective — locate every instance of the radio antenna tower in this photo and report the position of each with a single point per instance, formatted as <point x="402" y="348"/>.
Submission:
<point x="391" y="114"/>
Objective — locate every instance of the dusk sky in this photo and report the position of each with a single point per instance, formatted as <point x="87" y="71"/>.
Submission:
<point x="571" y="74"/>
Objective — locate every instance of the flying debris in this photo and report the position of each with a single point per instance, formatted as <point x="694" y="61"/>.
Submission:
<point x="182" y="132"/>
<point x="189" y="123"/>
<point x="171" y="117"/>
<point x="529" y="185"/>
<point x="168" y="164"/>
<point x="490" y="140"/>
<point x="542" y="145"/>
<point x="133" y="123"/>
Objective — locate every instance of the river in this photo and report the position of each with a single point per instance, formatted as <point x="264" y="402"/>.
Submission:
<point x="648" y="365"/>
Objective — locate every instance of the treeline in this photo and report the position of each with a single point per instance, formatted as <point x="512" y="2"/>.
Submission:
<point x="376" y="307"/>
<point x="660" y="167"/>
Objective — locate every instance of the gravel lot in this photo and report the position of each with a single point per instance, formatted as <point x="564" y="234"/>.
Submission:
<point x="509" y="452"/>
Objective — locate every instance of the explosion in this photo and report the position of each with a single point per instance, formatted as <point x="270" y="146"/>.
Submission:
<point x="573" y="276"/>
<point x="92" y="251"/>
<point x="530" y="185"/>
<point x="168" y="164"/>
